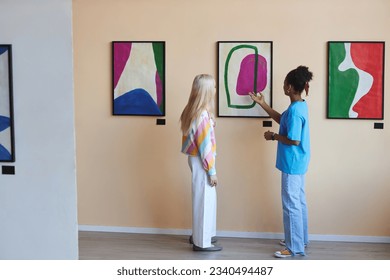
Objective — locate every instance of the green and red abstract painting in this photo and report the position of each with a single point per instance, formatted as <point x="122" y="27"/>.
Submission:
<point x="243" y="67"/>
<point x="138" y="78"/>
<point x="355" y="80"/>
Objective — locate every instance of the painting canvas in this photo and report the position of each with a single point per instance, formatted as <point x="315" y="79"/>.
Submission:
<point x="243" y="67"/>
<point x="355" y="80"/>
<point x="138" y="78"/>
<point x="7" y="153"/>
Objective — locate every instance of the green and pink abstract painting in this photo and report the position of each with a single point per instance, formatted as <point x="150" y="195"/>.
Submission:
<point x="355" y="80"/>
<point x="243" y="67"/>
<point x="138" y="78"/>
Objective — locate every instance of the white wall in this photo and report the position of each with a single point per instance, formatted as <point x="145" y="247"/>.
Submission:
<point x="38" y="208"/>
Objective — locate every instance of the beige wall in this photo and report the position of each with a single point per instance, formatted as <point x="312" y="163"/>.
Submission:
<point x="131" y="172"/>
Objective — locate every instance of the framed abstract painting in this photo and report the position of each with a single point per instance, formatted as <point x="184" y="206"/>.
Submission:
<point x="243" y="67"/>
<point x="355" y="80"/>
<point x="138" y="78"/>
<point x="7" y="150"/>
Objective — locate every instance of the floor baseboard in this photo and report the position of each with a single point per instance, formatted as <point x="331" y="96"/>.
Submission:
<point x="236" y="234"/>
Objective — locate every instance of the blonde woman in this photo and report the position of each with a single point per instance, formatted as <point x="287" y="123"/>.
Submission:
<point x="197" y="125"/>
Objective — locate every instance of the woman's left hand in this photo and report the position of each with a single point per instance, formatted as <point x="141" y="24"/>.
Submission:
<point x="213" y="180"/>
<point x="268" y="135"/>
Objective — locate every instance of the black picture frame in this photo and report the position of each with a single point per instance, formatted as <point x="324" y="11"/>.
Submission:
<point x="355" y="82"/>
<point x="7" y="138"/>
<point x="237" y="76"/>
<point x="138" y="78"/>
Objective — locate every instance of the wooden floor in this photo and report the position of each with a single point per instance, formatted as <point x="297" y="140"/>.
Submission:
<point x="129" y="246"/>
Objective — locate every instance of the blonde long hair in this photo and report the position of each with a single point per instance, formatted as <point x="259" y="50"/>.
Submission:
<point x="201" y="98"/>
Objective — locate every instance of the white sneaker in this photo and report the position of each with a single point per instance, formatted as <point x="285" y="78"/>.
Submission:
<point x="283" y="254"/>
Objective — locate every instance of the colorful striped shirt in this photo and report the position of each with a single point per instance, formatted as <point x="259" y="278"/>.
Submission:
<point x="200" y="141"/>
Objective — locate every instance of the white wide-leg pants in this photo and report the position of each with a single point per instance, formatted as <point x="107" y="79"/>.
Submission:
<point x="204" y="204"/>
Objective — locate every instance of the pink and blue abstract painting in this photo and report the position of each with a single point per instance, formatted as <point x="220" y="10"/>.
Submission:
<point x="243" y="67"/>
<point x="138" y="78"/>
<point x="7" y="153"/>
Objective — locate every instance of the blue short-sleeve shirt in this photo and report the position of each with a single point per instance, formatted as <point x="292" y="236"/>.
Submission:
<point x="294" y="124"/>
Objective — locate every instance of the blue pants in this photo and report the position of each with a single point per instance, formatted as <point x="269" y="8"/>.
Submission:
<point x="294" y="213"/>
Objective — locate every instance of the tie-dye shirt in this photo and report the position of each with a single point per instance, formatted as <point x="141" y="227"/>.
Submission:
<point x="200" y="141"/>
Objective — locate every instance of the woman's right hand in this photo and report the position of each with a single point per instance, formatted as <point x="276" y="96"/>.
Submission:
<point x="213" y="180"/>
<point x="257" y="97"/>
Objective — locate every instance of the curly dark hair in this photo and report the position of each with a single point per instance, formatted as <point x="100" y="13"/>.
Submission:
<point x="299" y="77"/>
